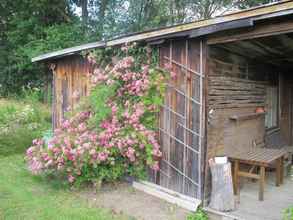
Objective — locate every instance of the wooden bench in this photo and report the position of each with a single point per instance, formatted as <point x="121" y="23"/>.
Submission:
<point x="275" y="140"/>
<point x="259" y="158"/>
<point x="287" y="158"/>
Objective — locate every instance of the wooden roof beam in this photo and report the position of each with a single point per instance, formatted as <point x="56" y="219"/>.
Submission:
<point x="261" y="30"/>
<point x="268" y="48"/>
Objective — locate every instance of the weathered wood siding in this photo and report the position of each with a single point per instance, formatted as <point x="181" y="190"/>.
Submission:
<point x="234" y="87"/>
<point x="233" y="83"/>
<point x="181" y="117"/>
<point x="70" y="83"/>
<point x="232" y="92"/>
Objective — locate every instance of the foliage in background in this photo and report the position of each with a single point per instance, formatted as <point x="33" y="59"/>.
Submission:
<point x="32" y="27"/>
<point x="288" y="215"/>
<point x="198" y="215"/>
<point x="29" y="28"/>
<point x="114" y="132"/>
<point x="21" y="122"/>
<point x="115" y="17"/>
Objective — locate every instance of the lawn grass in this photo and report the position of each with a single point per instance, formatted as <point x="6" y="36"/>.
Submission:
<point x="27" y="197"/>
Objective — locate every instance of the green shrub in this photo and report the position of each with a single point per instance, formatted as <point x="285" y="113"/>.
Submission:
<point x="32" y="95"/>
<point x="288" y="215"/>
<point x="198" y="215"/>
<point x="20" y="123"/>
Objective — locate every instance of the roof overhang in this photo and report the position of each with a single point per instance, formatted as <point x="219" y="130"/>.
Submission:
<point x="68" y="51"/>
<point x="244" y="18"/>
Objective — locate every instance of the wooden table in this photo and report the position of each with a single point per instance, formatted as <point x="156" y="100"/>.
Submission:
<point x="259" y="158"/>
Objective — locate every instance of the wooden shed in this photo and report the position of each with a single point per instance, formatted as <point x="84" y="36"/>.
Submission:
<point x="232" y="95"/>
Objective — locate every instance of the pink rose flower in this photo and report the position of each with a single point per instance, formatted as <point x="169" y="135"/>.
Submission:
<point x="70" y="178"/>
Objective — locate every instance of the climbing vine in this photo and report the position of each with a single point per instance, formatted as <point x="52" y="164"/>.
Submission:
<point x="114" y="133"/>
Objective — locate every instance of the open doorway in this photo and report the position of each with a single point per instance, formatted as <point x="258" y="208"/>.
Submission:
<point x="245" y="78"/>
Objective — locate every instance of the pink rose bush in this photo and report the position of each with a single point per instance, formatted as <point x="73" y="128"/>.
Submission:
<point x="116" y="135"/>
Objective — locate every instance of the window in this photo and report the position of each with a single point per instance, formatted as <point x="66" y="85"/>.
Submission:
<point x="272" y="103"/>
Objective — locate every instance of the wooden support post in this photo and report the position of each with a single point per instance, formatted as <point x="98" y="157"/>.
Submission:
<point x="262" y="183"/>
<point x="233" y="176"/>
<point x="236" y="180"/>
<point x="282" y="170"/>
<point x="278" y="172"/>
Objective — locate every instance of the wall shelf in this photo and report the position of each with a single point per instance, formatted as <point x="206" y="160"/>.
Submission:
<point x="247" y="116"/>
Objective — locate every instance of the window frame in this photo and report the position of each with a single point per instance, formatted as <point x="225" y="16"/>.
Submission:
<point x="277" y="126"/>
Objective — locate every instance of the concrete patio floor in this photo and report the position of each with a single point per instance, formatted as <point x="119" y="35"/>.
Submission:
<point x="276" y="200"/>
<point x="123" y="198"/>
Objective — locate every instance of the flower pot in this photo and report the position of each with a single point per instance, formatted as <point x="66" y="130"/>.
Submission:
<point x="259" y="110"/>
<point x="156" y="158"/>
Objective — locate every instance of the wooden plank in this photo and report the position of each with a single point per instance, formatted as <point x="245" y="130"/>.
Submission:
<point x="221" y="27"/>
<point x="234" y="106"/>
<point x="248" y="175"/>
<point x="235" y="102"/>
<point x="227" y="91"/>
<point x="177" y="150"/>
<point x="262" y="30"/>
<point x="168" y="195"/>
<point x="251" y="162"/>
<point x="241" y="117"/>
<point x="267" y="48"/>
<point x="256" y="156"/>
<point x="68" y="51"/>
<point x="232" y="98"/>
<point x="224" y="79"/>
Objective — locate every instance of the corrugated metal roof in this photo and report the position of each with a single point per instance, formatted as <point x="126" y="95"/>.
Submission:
<point x="257" y="13"/>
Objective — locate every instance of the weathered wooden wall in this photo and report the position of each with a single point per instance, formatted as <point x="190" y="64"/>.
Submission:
<point x="182" y="116"/>
<point x="234" y="87"/>
<point x="70" y="83"/>
<point x="233" y="82"/>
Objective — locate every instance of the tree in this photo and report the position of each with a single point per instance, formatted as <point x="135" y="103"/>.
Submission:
<point x="32" y="27"/>
<point x="251" y="3"/>
<point x="28" y="28"/>
<point x="83" y="4"/>
<point x="189" y="10"/>
<point x="124" y="16"/>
